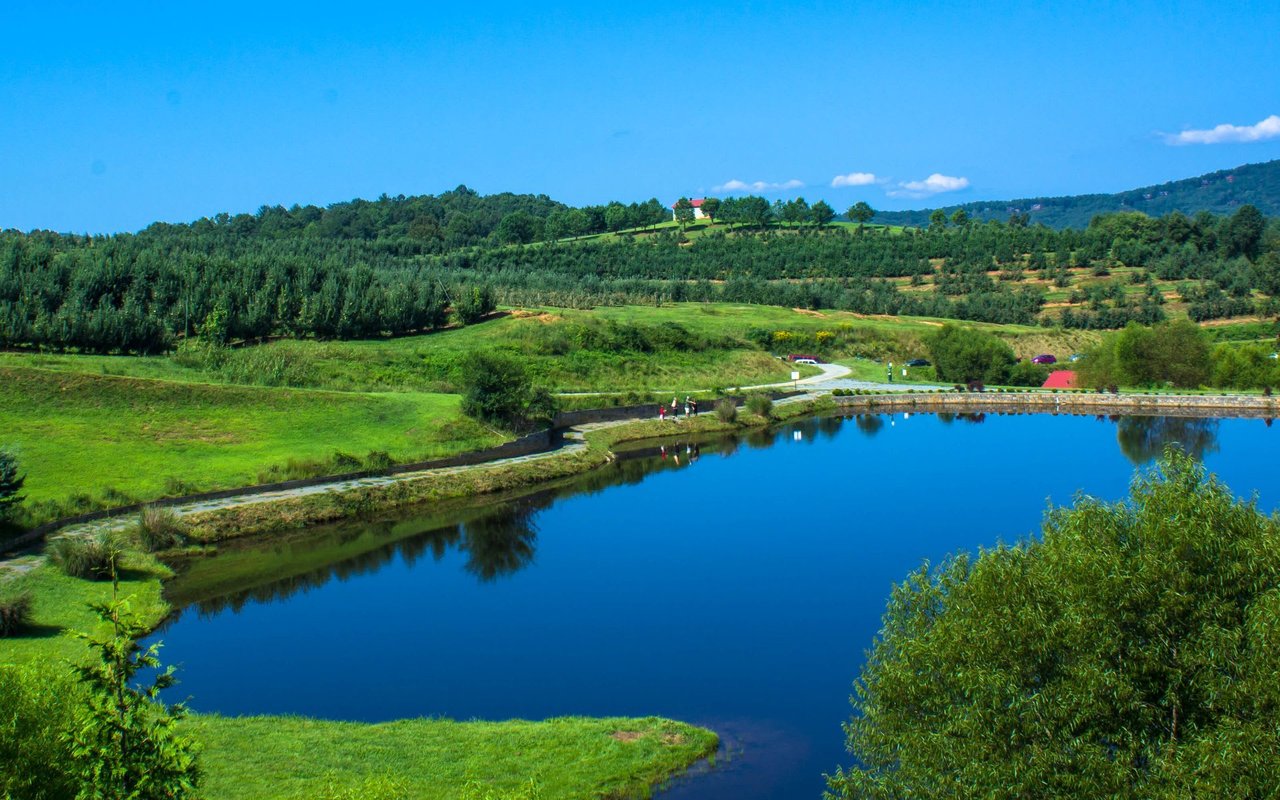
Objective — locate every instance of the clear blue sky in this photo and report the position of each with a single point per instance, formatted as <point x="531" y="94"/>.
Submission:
<point x="115" y="115"/>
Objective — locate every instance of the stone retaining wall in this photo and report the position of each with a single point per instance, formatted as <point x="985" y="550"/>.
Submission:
<point x="1070" y="403"/>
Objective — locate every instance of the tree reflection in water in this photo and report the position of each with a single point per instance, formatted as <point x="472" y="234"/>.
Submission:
<point x="1142" y="439"/>
<point x="869" y="424"/>
<point x="503" y="542"/>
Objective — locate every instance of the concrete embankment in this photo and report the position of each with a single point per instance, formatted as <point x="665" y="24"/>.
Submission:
<point x="1068" y="403"/>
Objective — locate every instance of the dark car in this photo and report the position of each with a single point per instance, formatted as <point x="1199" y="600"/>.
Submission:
<point x="919" y="362"/>
<point x="1044" y="358"/>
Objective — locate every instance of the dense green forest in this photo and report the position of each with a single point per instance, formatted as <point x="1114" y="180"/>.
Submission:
<point x="398" y="265"/>
<point x="1220" y="192"/>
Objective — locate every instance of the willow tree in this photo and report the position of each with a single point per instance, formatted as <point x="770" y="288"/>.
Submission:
<point x="1131" y="652"/>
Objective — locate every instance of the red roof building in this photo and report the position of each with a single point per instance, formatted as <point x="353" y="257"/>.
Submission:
<point x="1061" y="379"/>
<point x="696" y="202"/>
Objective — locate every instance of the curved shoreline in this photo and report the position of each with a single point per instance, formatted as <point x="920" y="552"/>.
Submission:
<point x="256" y="510"/>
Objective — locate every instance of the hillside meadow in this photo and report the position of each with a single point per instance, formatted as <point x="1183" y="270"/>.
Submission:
<point x="97" y="431"/>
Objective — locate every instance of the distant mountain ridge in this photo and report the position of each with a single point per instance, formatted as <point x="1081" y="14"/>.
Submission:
<point x="1220" y="192"/>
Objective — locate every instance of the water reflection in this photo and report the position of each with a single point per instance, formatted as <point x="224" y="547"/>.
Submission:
<point x="869" y="424"/>
<point x="1142" y="439"/>
<point x="503" y="542"/>
<point x="499" y="538"/>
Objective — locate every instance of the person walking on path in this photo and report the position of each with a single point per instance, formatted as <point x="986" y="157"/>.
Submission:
<point x="662" y="413"/>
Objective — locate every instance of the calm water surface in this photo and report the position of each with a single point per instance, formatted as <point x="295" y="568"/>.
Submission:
<point x="735" y="584"/>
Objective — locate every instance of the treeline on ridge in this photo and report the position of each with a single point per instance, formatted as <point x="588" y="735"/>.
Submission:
<point x="398" y="265"/>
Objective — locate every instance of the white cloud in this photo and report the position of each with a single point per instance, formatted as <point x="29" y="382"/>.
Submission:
<point x="1268" y="128"/>
<point x="936" y="183"/>
<point x="757" y="186"/>
<point x="854" y="179"/>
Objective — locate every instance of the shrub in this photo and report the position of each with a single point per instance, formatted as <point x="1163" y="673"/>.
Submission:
<point x="15" y="610"/>
<point x="499" y="391"/>
<point x="1025" y="373"/>
<point x="759" y="405"/>
<point x="726" y="410"/>
<point x="378" y="460"/>
<point x="160" y="528"/>
<point x="969" y="354"/>
<point x="91" y="557"/>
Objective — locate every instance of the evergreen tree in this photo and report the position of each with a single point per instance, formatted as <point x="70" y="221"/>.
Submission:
<point x="127" y="746"/>
<point x="10" y="484"/>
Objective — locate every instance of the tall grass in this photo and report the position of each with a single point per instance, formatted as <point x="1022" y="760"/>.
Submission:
<point x="759" y="405"/>
<point x="160" y="528"/>
<point x="91" y="557"/>
<point x="15" y="609"/>
<point x="726" y="410"/>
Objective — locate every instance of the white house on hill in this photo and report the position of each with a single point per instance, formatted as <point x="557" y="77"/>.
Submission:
<point x="697" y="208"/>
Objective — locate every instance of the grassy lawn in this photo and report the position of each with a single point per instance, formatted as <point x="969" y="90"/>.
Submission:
<point x="113" y="439"/>
<point x="61" y="608"/>
<point x="569" y="758"/>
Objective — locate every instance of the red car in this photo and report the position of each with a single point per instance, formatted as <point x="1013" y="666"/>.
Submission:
<point x="1044" y="358"/>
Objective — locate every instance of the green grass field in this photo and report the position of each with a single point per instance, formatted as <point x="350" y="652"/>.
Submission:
<point x="557" y="759"/>
<point x="113" y="439"/>
<point x="61" y="608"/>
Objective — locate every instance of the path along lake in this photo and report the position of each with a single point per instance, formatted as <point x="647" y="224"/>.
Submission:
<point x="734" y="583"/>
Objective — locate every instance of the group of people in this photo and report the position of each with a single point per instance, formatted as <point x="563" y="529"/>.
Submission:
<point x="690" y="408"/>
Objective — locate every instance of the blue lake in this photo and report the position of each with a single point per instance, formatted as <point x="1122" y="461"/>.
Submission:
<point x="734" y="584"/>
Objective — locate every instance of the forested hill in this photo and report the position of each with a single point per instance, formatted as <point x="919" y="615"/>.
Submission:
<point x="1219" y="192"/>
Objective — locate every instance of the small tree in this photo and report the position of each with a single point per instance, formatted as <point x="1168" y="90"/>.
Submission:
<point x="10" y="484"/>
<point x="861" y="213"/>
<point x="127" y="745"/>
<point x="474" y="303"/>
<point x="710" y="207"/>
<point x="683" y="212"/>
<point x="498" y="390"/>
<point x="821" y="214"/>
